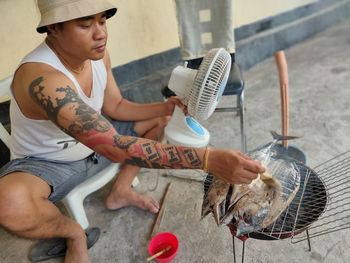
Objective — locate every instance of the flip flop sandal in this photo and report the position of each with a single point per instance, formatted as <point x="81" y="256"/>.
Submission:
<point x="56" y="247"/>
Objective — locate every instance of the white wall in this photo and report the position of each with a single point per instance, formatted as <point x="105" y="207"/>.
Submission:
<point x="140" y="28"/>
<point x="248" y="11"/>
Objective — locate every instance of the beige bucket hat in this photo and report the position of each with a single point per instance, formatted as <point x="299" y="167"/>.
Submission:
<point x="56" y="11"/>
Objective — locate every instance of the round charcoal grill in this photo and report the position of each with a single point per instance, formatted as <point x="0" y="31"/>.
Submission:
<point x="306" y="207"/>
<point x="321" y="205"/>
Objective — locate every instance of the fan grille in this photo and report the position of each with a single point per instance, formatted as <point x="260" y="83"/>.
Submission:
<point x="209" y="83"/>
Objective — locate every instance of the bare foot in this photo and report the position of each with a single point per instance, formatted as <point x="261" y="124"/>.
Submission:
<point x="119" y="198"/>
<point x="77" y="251"/>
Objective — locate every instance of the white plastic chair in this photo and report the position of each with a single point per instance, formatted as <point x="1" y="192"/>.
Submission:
<point x="75" y="198"/>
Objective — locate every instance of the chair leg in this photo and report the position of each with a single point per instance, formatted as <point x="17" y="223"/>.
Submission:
<point x="74" y="204"/>
<point x="242" y="122"/>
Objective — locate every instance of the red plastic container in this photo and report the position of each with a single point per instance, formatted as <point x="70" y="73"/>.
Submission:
<point x="160" y="242"/>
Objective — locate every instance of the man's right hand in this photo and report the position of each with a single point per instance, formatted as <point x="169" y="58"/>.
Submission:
<point x="233" y="167"/>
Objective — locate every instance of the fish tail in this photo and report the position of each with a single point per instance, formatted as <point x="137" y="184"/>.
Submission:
<point x="279" y="137"/>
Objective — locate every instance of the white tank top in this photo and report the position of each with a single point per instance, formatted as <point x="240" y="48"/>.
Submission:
<point x="42" y="138"/>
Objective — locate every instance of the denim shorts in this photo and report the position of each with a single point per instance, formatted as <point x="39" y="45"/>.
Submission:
<point x="64" y="176"/>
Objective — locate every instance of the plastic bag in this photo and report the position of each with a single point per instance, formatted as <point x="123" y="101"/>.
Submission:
<point x="263" y="203"/>
<point x="250" y="208"/>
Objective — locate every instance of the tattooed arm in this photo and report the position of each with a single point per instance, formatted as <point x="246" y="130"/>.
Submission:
<point x="64" y="107"/>
<point x="61" y="104"/>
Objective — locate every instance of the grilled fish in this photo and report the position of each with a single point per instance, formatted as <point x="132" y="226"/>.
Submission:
<point x="255" y="206"/>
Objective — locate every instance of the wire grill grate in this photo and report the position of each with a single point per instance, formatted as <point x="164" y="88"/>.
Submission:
<point x="321" y="205"/>
<point x="335" y="175"/>
<point x="306" y="207"/>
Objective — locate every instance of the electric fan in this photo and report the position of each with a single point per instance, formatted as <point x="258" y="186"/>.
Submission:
<point x="201" y="91"/>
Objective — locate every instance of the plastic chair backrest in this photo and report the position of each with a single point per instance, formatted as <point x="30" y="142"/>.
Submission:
<point x="5" y="85"/>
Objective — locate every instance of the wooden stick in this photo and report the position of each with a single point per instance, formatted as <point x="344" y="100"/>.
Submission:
<point x="159" y="253"/>
<point x="159" y="217"/>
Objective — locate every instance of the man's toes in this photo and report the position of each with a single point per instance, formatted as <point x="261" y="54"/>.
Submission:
<point x="154" y="209"/>
<point x="153" y="205"/>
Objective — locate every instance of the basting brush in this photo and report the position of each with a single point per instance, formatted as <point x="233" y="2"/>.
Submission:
<point x="269" y="180"/>
<point x="159" y="253"/>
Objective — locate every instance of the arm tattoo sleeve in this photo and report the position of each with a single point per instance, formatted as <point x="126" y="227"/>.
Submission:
<point x="150" y="154"/>
<point x="86" y="120"/>
<point x="96" y="130"/>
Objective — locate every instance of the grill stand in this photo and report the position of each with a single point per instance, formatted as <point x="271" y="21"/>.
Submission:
<point x="234" y="249"/>
<point x="308" y="239"/>
<point x="245" y="238"/>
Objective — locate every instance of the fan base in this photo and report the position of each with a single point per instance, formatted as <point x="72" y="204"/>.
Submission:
<point x="186" y="131"/>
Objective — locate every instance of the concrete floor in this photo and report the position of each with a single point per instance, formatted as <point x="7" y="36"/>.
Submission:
<point x="319" y="71"/>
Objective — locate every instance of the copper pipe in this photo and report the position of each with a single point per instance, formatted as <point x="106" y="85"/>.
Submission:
<point x="282" y="68"/>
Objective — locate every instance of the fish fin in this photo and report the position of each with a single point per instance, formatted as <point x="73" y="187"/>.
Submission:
<point x="231" y="211"/>
<point x="206" y="212"/>
<point x="216" y="214"/>
<point x="206" y="207"/>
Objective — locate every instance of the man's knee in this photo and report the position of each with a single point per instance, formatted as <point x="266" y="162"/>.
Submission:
<point x="154" y="128"/>
<point x="161" y="124"/>
<point x="163" y="121"/>
<point x="14" y="201"/>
